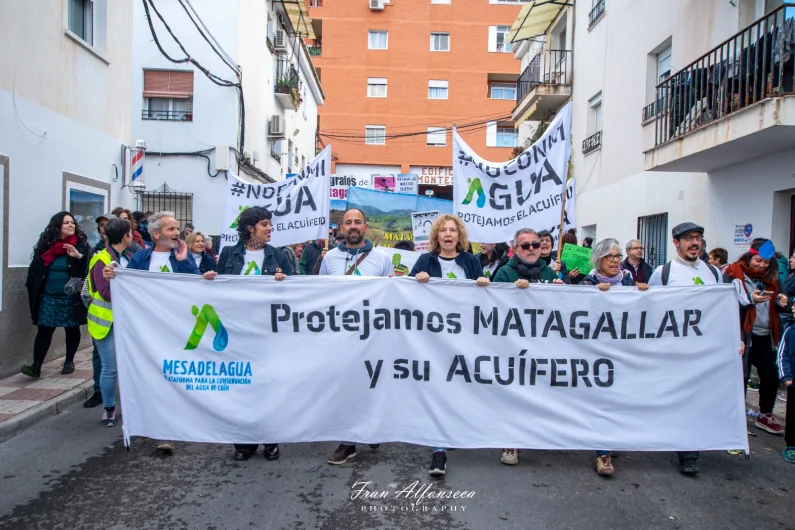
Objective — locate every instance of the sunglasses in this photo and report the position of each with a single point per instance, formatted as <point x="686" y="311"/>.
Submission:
<point x="527" y="246"/>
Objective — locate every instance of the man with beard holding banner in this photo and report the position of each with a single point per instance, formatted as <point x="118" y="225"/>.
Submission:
<point x="447" y="258"/>
<point x="354" y="257"/>
<point x="169" y="254"/>
<point x="524" y="268"/>
<point x="686" y="269"/>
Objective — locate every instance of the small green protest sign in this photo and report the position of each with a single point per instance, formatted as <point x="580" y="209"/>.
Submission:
<point x="576" y="257"/>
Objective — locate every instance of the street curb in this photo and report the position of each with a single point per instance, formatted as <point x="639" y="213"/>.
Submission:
<point x="32" y="416"/>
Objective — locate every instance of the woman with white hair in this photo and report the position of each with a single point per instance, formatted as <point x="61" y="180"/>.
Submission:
<point x="607" y="272"/>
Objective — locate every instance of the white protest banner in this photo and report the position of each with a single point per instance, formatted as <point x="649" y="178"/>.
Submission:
<point x="407" y="184"/>
<point x="495" y="199"/>
<point x="446" y="364"/>
<point x="421" y="223"/>
<point x="300" y="205"/>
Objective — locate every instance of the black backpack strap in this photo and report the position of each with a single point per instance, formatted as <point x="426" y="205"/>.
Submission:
<point x="666" y="272"/>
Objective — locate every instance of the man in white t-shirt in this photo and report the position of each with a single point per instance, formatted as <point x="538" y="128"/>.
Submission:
<point x="354" y="257"/>
<point x="170" y="254"/>
<point x="686" y="269"/>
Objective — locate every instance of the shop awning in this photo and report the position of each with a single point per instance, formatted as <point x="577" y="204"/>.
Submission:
<point x="535" y="19"/>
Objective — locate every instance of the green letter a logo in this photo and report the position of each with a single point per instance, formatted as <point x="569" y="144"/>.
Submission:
<point x="237" y="219"/>
<point x="207" y="315"/>
<point x="475" y="187"/>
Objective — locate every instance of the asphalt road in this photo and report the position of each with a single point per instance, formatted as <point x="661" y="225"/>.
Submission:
<point x="71" y="472"/>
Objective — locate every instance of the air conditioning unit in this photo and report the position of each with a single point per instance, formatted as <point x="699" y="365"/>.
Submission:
<point x="275" y="127"/>
<point x="377" y="5"/>
<point x="280" y="40"/>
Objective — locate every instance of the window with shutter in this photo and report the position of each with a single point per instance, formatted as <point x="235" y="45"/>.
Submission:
<point x="168" y="95"/>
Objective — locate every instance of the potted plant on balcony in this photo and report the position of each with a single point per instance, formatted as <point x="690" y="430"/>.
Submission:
<point x="188" y="116"/>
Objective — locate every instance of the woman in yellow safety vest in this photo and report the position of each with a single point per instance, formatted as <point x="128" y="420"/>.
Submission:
<point x="100" y="312"/>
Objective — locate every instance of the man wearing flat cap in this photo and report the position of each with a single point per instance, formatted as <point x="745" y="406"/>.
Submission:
<point x="686" y="269"/>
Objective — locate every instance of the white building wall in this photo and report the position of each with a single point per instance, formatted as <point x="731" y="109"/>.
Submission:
<point x="64" y="115"/>
<point x="64" y="107"/>
<point x="757" y="192"/>
<point x="614" y="57"/>
<point x="215" y="108"/>
<point x="240" y="26"/>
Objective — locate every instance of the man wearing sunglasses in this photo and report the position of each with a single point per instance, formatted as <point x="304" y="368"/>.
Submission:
<point x="524" y="268"/>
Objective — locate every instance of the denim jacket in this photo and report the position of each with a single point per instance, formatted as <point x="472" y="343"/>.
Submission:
<point x="232" y="260"/>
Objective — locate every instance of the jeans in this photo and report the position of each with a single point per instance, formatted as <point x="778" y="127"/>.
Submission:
<point x="107" y="381"/>
<point x="96" y="365"/>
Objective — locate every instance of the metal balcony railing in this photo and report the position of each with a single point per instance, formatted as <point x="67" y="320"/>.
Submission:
<point x="751" y="66"/>
<point x="549" y="67"/>
<point x="315" y="50"/>
<point x="596" y="13"/>
<point x="591" y="143"/>
<point x="181" y="115"/>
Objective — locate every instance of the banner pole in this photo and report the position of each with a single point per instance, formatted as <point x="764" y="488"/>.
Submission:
<point x="562" y="219"/>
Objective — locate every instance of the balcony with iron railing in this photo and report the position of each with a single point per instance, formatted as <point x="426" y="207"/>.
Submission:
<point x="544" y="86"/>
<point x="732" y="104"/>
<point x="288" y="85"/>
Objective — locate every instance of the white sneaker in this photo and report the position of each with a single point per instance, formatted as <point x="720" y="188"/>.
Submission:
<point x="510" y="457"/>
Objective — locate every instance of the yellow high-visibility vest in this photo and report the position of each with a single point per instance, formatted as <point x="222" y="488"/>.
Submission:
<point x="100" y="312"/>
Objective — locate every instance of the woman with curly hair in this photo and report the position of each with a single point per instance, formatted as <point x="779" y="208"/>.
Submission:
<point x="448" y="258"/>
<point x="58" y="264"/>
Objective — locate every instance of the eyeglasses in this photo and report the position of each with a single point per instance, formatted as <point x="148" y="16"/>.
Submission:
<point x="636" y="248"/>
<point x="526" y="246"/>
<point x="692" y="238"/>
<point x="614" y="257"/>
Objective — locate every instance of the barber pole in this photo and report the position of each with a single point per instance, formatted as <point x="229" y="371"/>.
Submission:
<point x="137" y="165"/>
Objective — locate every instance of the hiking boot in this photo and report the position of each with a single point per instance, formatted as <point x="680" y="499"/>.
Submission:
<point x="165" y="448"/>
<point x="767" y="422"/>
<point x="109" y="417"/>
<point x="688" y="467"/>
<point x="243" y="454"/>
<point x="93" y="401"/>
<point x="272" y="451"/>
<point x="342" y="454"/>
<point x="604" y="466"/>
<point x="438" y="464"/>
<point x="68" y="368"/>
<point x="510" y="457"/>
<point x="31" y="370"/>
<point x="789" y="454"/>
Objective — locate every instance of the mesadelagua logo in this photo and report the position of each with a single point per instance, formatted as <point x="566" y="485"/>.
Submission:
<point x="475" y="187"/>
<point x="206" y="316"/>
<point x="237" y="219"/>
<point x="217" y="375"/>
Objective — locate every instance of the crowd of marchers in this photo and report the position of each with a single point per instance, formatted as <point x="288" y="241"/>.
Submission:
<point x="68" y="285"/>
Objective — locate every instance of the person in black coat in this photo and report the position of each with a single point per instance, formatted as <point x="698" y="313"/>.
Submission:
<point x="253" y="256"/>
<point x="448" y="258"/>
<point x="59" y="263"/>
<point x="195" y="242"/>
